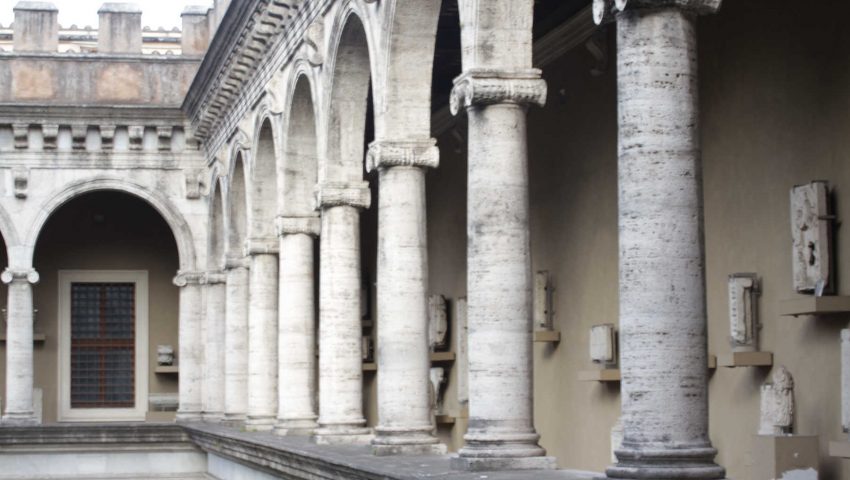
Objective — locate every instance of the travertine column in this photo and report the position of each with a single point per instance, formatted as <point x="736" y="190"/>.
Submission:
<point x="296" y="411"/>
<point x="404" y="408"/>
<point x="340" y="372"/>
<point x="19" y="352"/>
<point x="262" y="334"/>
<point x="501" y="432"/>
<point x="191" y="350"/>
<point x="214" y="332"/>
<point x="236" y="341"/>
<point x="662" y="290"/>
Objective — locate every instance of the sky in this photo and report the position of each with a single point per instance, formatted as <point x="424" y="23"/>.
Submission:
<point x="155" y="13"/>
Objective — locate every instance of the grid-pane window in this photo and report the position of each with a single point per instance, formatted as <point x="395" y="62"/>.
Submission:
<point x="103" y="325"/>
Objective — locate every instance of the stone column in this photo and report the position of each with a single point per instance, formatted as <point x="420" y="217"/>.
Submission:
<point x="214" y="333"/>
<point x="262" y="334"/>
<point x="662" y="286"/>
<point x="296" y="413"/>
<point x="340" y="361"/>
<point x="191" y="350"/>
<point x="19" y="351"/>
<point x="404" y="407"/>
<point x="236" y="341"/>
<point x="501" y="432"/>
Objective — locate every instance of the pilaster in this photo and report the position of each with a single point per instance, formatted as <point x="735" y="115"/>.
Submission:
<point x="19" y="347"/>
<point x="214" y="332"/>
<point x="236" y="340"/>
<point x="191" y="349"/>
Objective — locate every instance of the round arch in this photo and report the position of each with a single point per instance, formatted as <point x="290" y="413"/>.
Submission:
<point x="300" y="159"/>
<point x="216" y="238"/>
<point x="350" y="67"/>
<point x="236" y="204"/>
<point x="262" y="189"/>
<point x="175" y="220"/>
<point x="10" y="236"/>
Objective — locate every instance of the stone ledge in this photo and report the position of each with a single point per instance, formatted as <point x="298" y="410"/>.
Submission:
<point x="92" y="434"/>
<point x="298" y="458"/>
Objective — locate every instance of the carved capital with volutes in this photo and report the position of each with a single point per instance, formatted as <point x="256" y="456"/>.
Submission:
<point x="351" y="194"/>
<point x="303" y="225"/>
<point x="19" y="276"/>
<point x="262" y="246"/>
<point x="215" y="277"/>
<point x="605" y="11"/>
<point x="415" y="153"/>
<point x="185" y="278"/>
<point x="492" y="87"/>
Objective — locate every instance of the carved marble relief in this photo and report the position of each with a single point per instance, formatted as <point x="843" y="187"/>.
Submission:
<point x="437" y="378"/>
<point x="845" y="380"/>
<point x="743" y="318"/>
<point x="810" y="232"/>
<point x="603" y="344"/>
<point x="164" y="355"/>
<point x="777" y="404"/>
<point x="438" y="323"/>
<point x="462" y="362"/>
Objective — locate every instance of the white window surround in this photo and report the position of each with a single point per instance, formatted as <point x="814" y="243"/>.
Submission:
<point x="68" y="414"/>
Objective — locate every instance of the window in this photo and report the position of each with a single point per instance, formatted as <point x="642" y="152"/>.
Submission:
<point x="103" y="335"/>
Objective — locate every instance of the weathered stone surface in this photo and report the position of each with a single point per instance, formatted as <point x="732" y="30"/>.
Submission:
<point x="236" y="342"/>
<point x="777" y="404"/>
<point x="262" y="341"/>
<point x="19" y="347"/>
<point x="603" y="344"/>
<point x="811" y="242"/>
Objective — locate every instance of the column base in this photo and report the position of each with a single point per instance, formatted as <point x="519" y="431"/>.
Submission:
<point x="406" y="441"/>
<point x="655" y="463"/>
<point x="188" y="417"/>
<point x="19" y="419"/>
<point x="234" y="420"/>
<point x="342" y="435"/>
<point x="213" y="417"/>
<point x="481" y="464"/>
<point x="259" y="423"/>
<point x="295" y="427"/>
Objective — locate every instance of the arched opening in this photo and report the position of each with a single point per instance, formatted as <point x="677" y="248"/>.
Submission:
<point x="263" y="192"/>
<point x="217" y="241"/>
<point x="237" y="209"/>
<point x="349" y="132"/>
<point x="105" y="302"/>
<point x="4" y="261"/>
<point x="300" y="156"/>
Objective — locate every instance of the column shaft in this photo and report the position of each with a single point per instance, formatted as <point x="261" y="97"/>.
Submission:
<point x="404" y="408"/>
<point x="662" y="290"/>
<point x="262" y="342"/>
<point x="191" y="349"/>
<point x="214" y="333"/>
<point x="19" y="348"/>
<point x="297" y="337"/>
<point x="340" y="372"/>
<point x="236" y="345"/>
<point x="501" y="434"/>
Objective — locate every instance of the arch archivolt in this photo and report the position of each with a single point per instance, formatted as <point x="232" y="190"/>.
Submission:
<point x="234" y="193"/>
<point x="167" y="208"/>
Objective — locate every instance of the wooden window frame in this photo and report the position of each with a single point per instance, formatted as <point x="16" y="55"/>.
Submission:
<point x="137" y="413"/>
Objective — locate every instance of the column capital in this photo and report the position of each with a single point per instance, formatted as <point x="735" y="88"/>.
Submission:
<point x="261" y="246"/>
<point x="25" y="275"/>
<point x="214" y="277"/>
<point x="235" y="261"/>
<point x="404" y="153"/>
<point x="491" y="87"/>
<point x="293" y="225"/>
<point x="338" y="194"/>
<point x="185" y="278"/>
<point x="605" y="11"/>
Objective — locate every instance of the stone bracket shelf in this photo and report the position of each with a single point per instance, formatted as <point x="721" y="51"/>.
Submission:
<point x="712" y="362"/>
<point x="445" y="420"/>
<point x="811" y="305"/>
<point x="547" y="336"/>
<point x="170" y="369"/>
<point x="745" y="359"/>
<point x="437" y="357"/>
<point x="606" y="375"/>
<point x="36" y="338"/>
<point x="839" y="449"/>
<point x="370" y="367"/>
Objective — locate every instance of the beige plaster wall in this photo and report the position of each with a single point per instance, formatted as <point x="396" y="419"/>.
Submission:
<point x="131" y="236"/>
<point x="775" y="113"/>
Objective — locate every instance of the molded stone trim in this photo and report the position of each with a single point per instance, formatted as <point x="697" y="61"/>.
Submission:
<point x="332" y="194"/>
<point x="604" y="11"/>
<point x="8" y="276"/>
<point x="188" y="278"/>
<point x="311" y="225"/>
